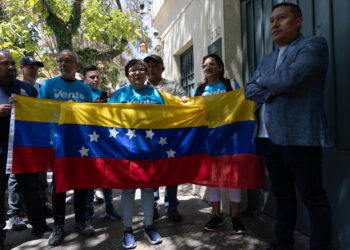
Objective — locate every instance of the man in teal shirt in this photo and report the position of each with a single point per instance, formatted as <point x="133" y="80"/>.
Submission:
<point x="66" y="87"/>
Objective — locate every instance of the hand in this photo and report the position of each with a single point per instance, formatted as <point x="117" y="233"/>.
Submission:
<point x="97" y="100"/>
<point x="184" y="99"/>
<point x="12" y="100"/>
<point x="5" y="110"/>
<point x="109" y="93"/>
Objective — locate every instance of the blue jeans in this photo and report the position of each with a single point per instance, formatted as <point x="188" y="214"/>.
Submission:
<point x="170" y="198"/>
<point x="15" y="200"/>
<point x="29" y="188"/>
<point x="15" y="197"/>
<point x="107" y="193"/>
<point x="128" y="200"/>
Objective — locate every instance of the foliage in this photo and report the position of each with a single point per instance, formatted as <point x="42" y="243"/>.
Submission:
<point x="97" y="30"/>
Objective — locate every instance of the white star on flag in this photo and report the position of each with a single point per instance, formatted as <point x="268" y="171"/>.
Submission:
<point x="162" y="141"/>
<point x="51" y="142"/>
<point x="94" y="137"/>
<point x="55" y="135"/>
<point x="131" y="133"/>
<point x="113" y="133"/>
<point x="171" y="153"/>
<point x="84" y="151"/>
<point x="149" y="134"/>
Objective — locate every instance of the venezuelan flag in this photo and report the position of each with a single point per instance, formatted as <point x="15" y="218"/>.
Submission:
<point x="130" y="145"/>
<point x="35" y="131"/>
<point x="234" y="159"/>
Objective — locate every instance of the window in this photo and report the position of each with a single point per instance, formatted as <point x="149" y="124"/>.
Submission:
<point x="187" y="72"/>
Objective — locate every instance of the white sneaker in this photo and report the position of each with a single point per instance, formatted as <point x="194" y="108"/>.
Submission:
<point x="15" y="223"/>
<point x="99" y="197"/>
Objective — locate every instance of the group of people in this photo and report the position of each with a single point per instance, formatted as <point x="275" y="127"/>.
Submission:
<point x="291" y="131"/>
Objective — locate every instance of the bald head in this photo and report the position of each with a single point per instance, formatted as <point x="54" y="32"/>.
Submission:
<point x="68" y="63"/>
<point x="8" y="70"/>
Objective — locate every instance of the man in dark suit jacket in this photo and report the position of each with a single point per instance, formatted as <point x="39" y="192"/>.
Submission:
<point x="291" y="126"/>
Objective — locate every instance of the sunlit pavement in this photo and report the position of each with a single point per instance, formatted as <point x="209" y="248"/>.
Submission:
<point x="188" y="234"/>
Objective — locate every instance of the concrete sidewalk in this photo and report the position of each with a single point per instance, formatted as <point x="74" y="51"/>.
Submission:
<point x="188" y="234"/>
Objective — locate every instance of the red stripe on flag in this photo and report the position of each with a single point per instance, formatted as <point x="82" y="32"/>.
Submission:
<point x="32" y="160"/>
<point x="86" y="172"/>
<point x="244" y="171"/>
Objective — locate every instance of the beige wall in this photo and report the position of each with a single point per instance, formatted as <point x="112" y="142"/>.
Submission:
<point x="198" y="23"/>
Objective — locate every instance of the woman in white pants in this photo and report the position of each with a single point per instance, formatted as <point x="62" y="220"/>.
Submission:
<point x="216" y="83"/>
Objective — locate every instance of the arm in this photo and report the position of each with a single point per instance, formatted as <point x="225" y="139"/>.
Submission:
<point x="180" y="92"/>
<point x="311" y="60"/>
<point x="254" y="92"/>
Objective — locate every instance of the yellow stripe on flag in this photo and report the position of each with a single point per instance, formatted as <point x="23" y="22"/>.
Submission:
<point x="222" y="108"/>
<point x="37" y="110"/>
<point x="140" y="116"/>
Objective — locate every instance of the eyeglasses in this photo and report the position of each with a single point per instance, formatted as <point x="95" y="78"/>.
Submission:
<point x="211" y="64"/>
<point x="68" y="61"/>
<point x="133" y="71"/>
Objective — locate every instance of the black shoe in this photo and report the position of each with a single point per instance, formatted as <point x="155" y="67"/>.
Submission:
<point x="42" y="232"/>
<point x="155" y="214"/>
<point x="174" y="215"/>
<point x="214" y="222"/>
<point x="237" y="225"/>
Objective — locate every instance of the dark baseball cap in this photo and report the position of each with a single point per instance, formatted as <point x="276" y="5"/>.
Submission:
<point x="155" y="58"/>
<point x="29" y="60"/>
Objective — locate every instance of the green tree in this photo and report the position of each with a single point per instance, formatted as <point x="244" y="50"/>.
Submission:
<point x="97" y="30"/>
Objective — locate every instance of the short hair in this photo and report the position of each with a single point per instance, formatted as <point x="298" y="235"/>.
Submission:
<point x="131" y="63"/>
<point x="89" y="68"/>
<point x="72" y="52"/>
<point x="295" y="8"/>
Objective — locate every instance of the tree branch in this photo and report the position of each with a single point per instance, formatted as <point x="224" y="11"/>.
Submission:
<point x="75" y="16"/>
<point x="52" y="18"/>
<point x="119" y="5"/>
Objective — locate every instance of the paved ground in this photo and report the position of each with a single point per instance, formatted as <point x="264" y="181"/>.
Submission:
<point x="188" y="234"/>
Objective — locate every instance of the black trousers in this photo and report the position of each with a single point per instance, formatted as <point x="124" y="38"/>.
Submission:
<point x="300" y="167"/>
<point x="59" y="205"/>
<point x="30" y="188"/>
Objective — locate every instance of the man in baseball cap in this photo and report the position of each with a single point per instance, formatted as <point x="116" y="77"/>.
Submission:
<point x="30" y="68"/>
<point x="155" y="68"/>
<point x="154" y="57"/>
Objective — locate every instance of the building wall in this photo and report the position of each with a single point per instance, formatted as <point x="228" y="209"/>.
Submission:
<point x="198" y="23"/>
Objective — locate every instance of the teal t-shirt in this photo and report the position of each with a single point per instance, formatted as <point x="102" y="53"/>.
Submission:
<point x="148" y="95"/>
<point x="212" y="89"/>
<point x="59" y="89"/>
<point x="96" y="93"/>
